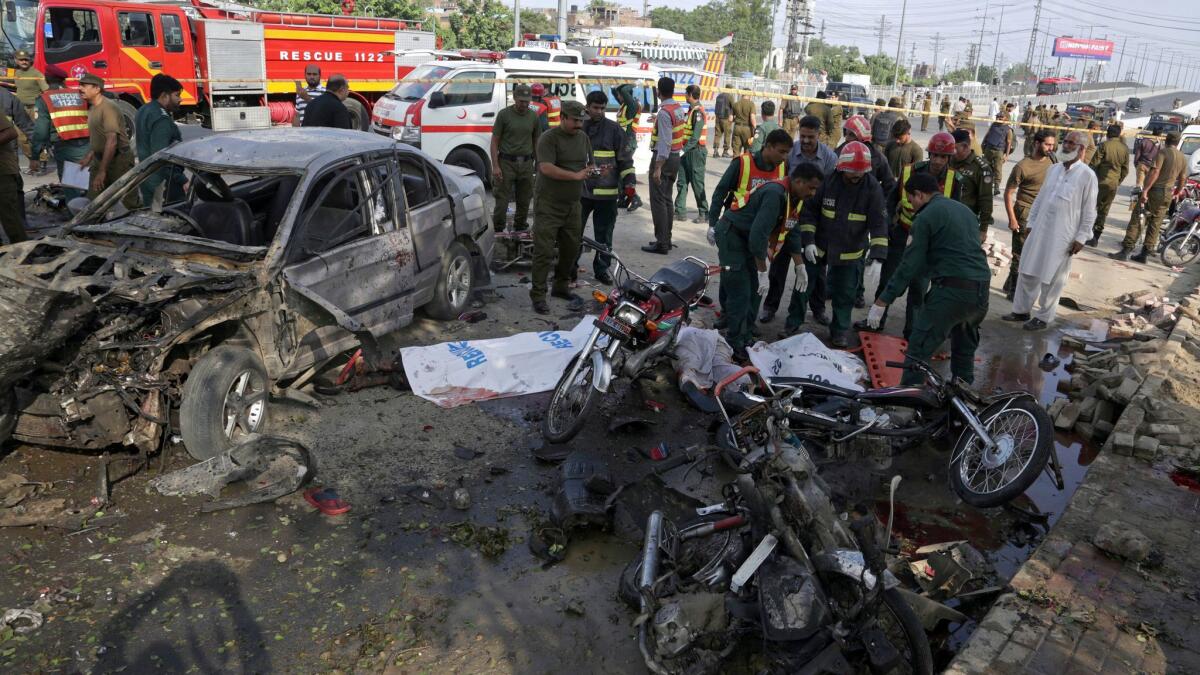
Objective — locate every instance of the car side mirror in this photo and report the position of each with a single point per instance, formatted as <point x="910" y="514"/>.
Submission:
<point x="437" y="100"/>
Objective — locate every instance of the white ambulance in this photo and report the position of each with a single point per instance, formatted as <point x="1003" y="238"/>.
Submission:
<point x="447" y="108"/>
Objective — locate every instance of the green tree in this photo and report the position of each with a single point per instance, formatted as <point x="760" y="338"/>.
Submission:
<point x="535" y="22"/>
<point x="745" y="19"/>
<point x="1018" y="72"/>
<point x="986" y="73"/>
<point x="482" y="24"/>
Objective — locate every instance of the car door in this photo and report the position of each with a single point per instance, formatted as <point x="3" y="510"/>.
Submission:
<point x="177" y="50"/>
<point x="428" y="210"/>
<point x="140" y="36"/>
<point x="76" y="41"/>
<point x="462" y="112"/>
<point x="352" y="250"/>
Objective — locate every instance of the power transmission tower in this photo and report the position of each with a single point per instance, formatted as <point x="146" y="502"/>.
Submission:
<point x="979" y="48"/>
<point x="972" y="56"/>
<point x="937" y="48"/>
<point x="1037" y="17"/>
<point x="996" y="51"/>
<point x="883" y="26"/>
<point x="799" y="27"/>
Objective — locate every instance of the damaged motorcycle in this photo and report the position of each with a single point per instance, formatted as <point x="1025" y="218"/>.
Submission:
<point x="1006" y="440"/>
<point x="637" y="328"/>
<point x="772" y="580"/>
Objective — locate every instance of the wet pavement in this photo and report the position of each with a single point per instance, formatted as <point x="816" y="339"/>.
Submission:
<point x="405" y="582"/>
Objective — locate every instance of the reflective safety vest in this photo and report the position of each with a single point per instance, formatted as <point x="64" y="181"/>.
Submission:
<point x="749" y="178"/>
<point x="626" y="123"/>
<point x="678" y="126"/>
<point x="906" y="207"/>
<point x="68" y="113"/>
<point x="790" y="219"/>
<point x="696" y="121"/>
<point x="551" y="107"/>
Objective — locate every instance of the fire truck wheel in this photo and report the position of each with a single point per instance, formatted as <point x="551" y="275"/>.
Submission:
<point x="358" y="114"/>
<point x="470" y="160"/>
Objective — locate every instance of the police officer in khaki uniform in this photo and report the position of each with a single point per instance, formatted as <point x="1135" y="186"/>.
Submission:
<point x="976" y="177"/>
<point x="820" y="110"/>
<point x="110" y="155"/>
<point x="564" y="156"/>
<point x="1111" y="164"/>
<point x="514" y="136"/>
<point x="743" y="124"/>
<point x="30" y="84"/>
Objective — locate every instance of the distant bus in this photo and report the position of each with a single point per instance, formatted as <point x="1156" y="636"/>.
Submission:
<point x="1050" y="86"/>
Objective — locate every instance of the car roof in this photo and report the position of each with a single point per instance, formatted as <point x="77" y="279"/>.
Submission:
<point x="1192" y="130"/>
<point x="280" y="147"/>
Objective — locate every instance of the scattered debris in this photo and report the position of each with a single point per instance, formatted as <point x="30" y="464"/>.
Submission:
<point x="326" y="500"/>
<point x="466" y="454"/>
<point x="276" y="466"/>
<point x="1122" y="540"/>
<point x="1049" y="362"/>
<point x="582" y="499"/>
<point x="947" y="568"/>
<point x="22" y="621"/>
<point x="574" y="608"/>
<point x="492" y="542"/>
<point x="461" y="499"/>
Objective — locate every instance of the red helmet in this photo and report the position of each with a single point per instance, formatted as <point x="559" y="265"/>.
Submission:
<point x="859" y="126"/>
<point x="855" y="157"/>
<point x="942" y="143"/>
<point x="538" y="89"/>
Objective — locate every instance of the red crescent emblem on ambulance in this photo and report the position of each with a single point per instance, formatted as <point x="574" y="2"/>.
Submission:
<point x="463" y="114"/>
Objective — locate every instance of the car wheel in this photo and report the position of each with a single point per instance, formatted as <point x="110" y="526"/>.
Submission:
<point x="224" y="400"/>
<point x="454" y="284"/>
<point x="468" y="159"/>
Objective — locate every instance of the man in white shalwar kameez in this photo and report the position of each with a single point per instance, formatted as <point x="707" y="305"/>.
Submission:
<point x="1058" y="227"/>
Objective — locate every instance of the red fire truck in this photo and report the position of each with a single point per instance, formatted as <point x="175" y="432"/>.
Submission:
<point x="238" y="65"/>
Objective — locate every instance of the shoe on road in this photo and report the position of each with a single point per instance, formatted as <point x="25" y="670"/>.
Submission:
<point x="820" y="318"/>
<point x="1034" y="324"/>
<point x="568" y="296"/>
<point x="766" y="315"/>
<point x="1091" y="243"/>
<point x="860" y="302"/>
<point x="1123" y="254"/>
<point x="605" y="279"/>
<point x="1015" y="316"/>
<point x="1140" y="257"/>
<point x="541" y="307"/>
<point x="655" y="248"/>
<point x="839" y="341"/>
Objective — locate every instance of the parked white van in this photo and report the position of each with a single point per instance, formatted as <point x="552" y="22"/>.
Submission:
<point x="447" y="108"/>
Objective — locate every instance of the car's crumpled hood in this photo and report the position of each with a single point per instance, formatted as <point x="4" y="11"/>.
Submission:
<point x="51" y="287"/>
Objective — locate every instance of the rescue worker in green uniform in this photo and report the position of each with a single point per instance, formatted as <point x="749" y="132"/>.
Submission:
<point x="627" y="117"/>
<point x="155" y="129"/>
<point x="806" y="179"/>
<point x="765" y="127"/>
<point x="600" y="190"/>
<point x="743" y="237"/>
<point x="564" y="157"/>
<point x="743" y="124"/>
<point x="944" y="249"/>
<point x="1111" y="164"/>
<point x="732" y="193"/>
<point x="695" y="156"/>
<point x="62" y="124"/>
<point x="976" y="177"/>
<point x="940" y="149"/>
<point x="514" y="137"/>
<point x="846" y="212"/>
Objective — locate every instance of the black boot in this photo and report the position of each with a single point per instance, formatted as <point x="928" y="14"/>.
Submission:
<point x="1123" y="254"/>
<point x="1141" y="256"/>
<point x="1091" y="243"/>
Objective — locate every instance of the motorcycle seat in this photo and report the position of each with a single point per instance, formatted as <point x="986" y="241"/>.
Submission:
<point x="685" y="278"/>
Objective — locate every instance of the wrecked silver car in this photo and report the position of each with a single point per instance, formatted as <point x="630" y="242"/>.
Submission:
<point x="286" y="248"/>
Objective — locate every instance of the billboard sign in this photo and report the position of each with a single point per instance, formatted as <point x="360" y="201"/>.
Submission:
<point x="1080" y="48"/>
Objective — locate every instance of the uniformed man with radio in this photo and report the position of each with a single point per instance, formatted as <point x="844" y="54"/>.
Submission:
<point x="600" y="189"/>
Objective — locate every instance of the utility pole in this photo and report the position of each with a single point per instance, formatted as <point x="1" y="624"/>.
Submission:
<point x="1042" y="58"/>
<point x="1037" y="17"/>
<point x="516" y="22"/>
<point x="937" y="48"/>
<point x="1120" y="62"/>
<point x="996" y="51"/>
<point x="899" y="42"/>
<point x="883" y="26"/>
<point x="979" y="47"/>
<point x="1157" y="67"/>
<point x="822" y="30"/>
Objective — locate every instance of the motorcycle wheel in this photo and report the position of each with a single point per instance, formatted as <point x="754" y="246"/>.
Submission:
<point x="571" y="403"/>
<point x="905" y="632"/>
<point x="1180" y="250"/>
<point x="1024" y="435"/>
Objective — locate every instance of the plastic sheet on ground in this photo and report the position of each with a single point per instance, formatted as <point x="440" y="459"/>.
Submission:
<point x="804" y="355"/>
<point x="451" y="374"/>
<point x="705" y="358"/>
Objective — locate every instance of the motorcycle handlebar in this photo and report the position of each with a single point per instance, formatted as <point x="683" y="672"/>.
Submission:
<point x="748" y="370"/>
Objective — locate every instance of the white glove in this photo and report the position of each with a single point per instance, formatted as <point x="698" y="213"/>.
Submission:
<point x="875" y="315"/>
<point x="712" y="236"/>
<point x="871" y="275"/>
<point x="801" y="283"/>
<point x="764" y="282"/>
<point x="810" y="253"/>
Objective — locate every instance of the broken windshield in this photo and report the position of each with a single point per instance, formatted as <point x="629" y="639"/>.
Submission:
<point x="231" y="206"/>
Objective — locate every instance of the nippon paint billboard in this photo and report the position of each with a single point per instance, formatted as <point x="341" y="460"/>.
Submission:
<point x="1080" y="48"/>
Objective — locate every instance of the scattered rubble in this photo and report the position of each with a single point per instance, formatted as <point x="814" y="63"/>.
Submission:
<point x="998" y="255"/>
<point x="275" y="466"/>
<point x="1122" y="540"/>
